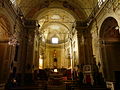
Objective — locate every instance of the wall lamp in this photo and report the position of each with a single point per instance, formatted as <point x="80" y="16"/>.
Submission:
<point x="117" y="28"/>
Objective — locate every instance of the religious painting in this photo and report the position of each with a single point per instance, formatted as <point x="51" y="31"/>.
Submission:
<point x="87" y="68"/>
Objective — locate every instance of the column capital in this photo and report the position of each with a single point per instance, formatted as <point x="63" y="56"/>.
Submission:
<point x="30" y="24"/>
<point x="81" y="26"/>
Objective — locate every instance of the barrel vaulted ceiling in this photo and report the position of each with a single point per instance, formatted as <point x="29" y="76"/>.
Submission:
<point x="56" y="17"/>
<point x="80" y="7"/>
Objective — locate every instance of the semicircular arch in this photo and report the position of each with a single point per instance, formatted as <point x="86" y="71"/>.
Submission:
<point x="108" y="24"/>
<point x="5" y="27"/>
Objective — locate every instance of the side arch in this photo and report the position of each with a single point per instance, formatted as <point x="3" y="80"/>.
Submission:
<point x="5" y="50"/>
<point x="110" y="47"/>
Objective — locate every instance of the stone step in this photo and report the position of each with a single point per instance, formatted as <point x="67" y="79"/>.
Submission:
<point x="90" y="89"/>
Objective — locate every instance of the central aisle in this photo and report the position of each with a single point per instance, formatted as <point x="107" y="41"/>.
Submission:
<point x="55" y="82"/>
<point x="60" y="87"/>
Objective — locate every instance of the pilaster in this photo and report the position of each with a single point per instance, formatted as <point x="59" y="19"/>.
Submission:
<point x="30" y="27"/>
<point x="84" y="43"/>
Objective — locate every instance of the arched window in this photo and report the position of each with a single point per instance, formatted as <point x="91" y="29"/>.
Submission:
<point x="100" y="2"/>
<point x="55" y="40"/>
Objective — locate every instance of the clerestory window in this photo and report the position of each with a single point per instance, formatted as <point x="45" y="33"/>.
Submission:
<point x="55" y="40"/>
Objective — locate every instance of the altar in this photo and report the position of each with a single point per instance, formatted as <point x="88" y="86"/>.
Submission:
<point x="55" y="78"/>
